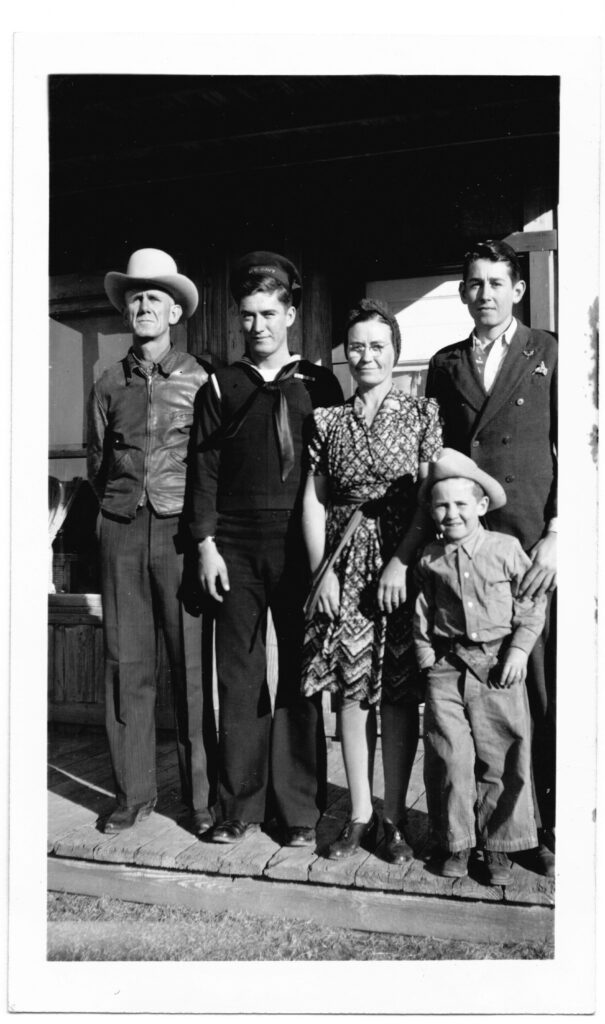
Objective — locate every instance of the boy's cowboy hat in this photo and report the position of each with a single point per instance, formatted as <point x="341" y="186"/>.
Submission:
<point x="152" y="268"/>
<point x="450" y="463"/>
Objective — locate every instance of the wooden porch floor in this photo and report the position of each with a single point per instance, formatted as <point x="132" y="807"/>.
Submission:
<point x="80" y="794"/>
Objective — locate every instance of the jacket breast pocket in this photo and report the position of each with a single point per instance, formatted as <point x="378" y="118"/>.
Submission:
<point x="181" y="419"/>
<point x="539" y="382"/>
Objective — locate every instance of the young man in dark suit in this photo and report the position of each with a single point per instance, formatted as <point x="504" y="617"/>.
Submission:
<point x="497" y="392"/>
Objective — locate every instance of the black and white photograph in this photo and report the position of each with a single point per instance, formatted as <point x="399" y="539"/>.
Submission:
<point x="293" y="679"/>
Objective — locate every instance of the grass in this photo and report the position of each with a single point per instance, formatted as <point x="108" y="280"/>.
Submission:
<point x="87" y="928"/>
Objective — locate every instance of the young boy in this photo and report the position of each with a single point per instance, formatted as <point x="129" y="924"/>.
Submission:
<point x="473" y="635"/>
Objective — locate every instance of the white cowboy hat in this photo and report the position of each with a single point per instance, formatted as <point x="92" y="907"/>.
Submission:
<point x="450" y="463"/>
<point x="152" y="268"/>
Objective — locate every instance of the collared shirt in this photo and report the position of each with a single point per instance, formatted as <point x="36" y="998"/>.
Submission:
<point x="469" y="591"/>
<point x="148" y="365"/>
<point x="489" y="355"/>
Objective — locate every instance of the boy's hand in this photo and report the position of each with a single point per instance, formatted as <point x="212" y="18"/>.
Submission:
<point x="392" y="586"/>
<point x="328" y="595"/>
<point x="514" y="668"/>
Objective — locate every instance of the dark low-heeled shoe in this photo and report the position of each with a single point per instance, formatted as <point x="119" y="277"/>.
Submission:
<point x="200" y="822"/>
<point x="232" y="831"/>
<point x="354" y="835"/>
<point x="300" y="835"/>
<point x="397" y="850"/>
<point x="125" y="816"/>
<point x="543" y="860"/>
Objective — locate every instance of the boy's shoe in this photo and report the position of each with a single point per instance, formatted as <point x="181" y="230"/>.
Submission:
<point x="455" y="865"/>
<point x="499" y="867"/>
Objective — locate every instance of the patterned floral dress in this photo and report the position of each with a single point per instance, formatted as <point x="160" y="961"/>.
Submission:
<point x="375" y="467"/>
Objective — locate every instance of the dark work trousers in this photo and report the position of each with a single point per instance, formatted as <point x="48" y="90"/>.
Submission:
<point x="542" y="695"/>
<point x="266" y="763"/>
<point x="141" y="578"/>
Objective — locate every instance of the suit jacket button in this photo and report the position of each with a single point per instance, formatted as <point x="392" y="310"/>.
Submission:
<point x="520" y="401"/>
<point x="509" y="479"/>
<point x="476" y="444"/>
<point x="507" y="439"/>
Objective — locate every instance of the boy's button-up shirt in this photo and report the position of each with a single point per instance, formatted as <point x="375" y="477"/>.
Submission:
<point x="469" y="591"/>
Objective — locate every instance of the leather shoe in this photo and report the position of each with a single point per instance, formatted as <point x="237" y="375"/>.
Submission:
<point x="455" y="865"/>
<point x="232" y="831"/>
<point x="543" y="860"/>
<point x="300" y="835"/>
<point x="126" y="815"/>
<point x="200" y="822"/>
<point x="354" y="835"/>
<point x="546" y="837"/>
<point x="498" y="866"/>
<point x="397" y="850"/>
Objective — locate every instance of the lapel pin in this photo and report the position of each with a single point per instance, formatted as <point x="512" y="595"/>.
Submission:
<point x="541" y="369"/>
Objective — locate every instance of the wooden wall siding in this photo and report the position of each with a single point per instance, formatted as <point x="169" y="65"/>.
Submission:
<point x="214" y="331"/>
<point x="76" y="677"/>
<point x="316" y="318"/>
<point x="208" y="327"/>
<point x="76" y="685"/>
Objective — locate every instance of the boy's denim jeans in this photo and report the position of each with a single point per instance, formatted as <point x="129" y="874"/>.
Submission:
<point x="477" y="758"/>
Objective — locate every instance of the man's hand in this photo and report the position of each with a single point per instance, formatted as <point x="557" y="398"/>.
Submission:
<point x="514" y="668"/>
<point x="328" y="595"/>
<point x="392" y="587"/>
<point x="212" y="568"/>
<point x="541" y="577"/>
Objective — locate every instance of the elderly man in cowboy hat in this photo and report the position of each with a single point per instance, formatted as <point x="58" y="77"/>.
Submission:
<point x="139" y="420"/>
<point x="247" y="521"/>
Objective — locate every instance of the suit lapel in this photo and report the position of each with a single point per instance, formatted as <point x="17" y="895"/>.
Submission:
<point x="465" y="377"/>
<point x="515" y="365"/>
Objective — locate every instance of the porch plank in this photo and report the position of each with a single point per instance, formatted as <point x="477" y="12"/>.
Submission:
<point x="330" y="906"/>
<point x="291" y="864"/>
<point x="249" y="857"/>
<point x="168" y="844"/>
<point x="84" y="794"/>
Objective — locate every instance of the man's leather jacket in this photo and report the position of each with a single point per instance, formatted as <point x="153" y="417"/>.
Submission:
<point x="139" y="423"/>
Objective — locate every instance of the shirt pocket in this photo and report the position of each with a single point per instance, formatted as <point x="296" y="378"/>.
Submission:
<point x="498" y="602"/>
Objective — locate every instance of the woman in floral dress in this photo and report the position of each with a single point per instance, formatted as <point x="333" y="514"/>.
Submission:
<point x="362" y="528"/>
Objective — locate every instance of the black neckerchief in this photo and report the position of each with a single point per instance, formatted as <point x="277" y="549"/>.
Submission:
<point x="281" y="415"/>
